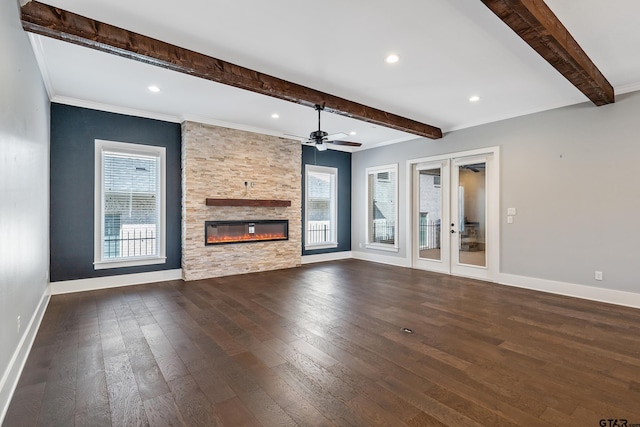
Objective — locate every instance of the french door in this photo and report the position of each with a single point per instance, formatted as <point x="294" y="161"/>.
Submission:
<point x="454" y="214"/>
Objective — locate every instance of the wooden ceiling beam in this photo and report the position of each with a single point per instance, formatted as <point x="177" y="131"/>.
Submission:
<point x="537" y="25"/>
<point x="49" y="21"/>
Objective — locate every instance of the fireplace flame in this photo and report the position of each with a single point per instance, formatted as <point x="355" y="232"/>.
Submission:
<point x="246" y="238"/>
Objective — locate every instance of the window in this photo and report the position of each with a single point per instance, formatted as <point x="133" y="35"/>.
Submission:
<point x="129" y="205"/>
<point x="321" y="192"/>
<point x="382" y="207"/>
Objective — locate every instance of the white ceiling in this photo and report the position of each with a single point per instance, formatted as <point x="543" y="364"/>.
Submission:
<point x="449" y="51"/>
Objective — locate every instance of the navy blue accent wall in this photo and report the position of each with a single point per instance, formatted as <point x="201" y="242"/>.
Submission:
<point x="342" y="161"/>
<point x="73" y="132"/>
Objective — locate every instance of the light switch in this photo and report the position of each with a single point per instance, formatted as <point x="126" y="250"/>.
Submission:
<point x="509" y="220"/>
<point x="511" y="211"/>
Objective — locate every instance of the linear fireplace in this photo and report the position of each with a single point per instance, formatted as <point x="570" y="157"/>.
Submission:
<point x="225" y="232"/>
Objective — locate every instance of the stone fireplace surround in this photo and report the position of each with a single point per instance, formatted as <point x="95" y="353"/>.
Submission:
<point x="216" y="163"/>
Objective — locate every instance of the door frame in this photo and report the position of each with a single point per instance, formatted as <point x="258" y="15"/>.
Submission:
<point x="493" y="208"/>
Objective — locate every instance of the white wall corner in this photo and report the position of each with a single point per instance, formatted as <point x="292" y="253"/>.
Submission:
<point x="609" y="296"/>
<point x="81" y="285"/>
<point x="38" y="51"/>
<point x="632" y="87"/>
<point x="332" y="256"/>
<point x="12" y="373"/>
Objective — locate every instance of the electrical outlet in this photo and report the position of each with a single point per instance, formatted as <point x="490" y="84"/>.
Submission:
<point x="598" y="275"/>
<point x="18" y="321"/>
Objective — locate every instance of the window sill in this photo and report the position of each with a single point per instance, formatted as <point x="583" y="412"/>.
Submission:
<point x="381" y="247"/>
<point x="103" y="265"/>
<point x="322" y="246"/>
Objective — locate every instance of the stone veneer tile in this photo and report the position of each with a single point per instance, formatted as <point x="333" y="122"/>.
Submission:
<point x="216" y="162"/>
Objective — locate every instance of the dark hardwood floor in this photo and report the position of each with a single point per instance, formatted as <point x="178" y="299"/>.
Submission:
<point x="322" y="345"/>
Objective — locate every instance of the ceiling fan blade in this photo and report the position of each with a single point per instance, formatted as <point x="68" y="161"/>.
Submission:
<point x="339" y="135"/>
<point x="350" y="144"/>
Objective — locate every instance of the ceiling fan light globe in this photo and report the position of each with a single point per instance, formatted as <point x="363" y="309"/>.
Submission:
<point x="321" y="147"/>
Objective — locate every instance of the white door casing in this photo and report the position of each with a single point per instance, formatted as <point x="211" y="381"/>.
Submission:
<point x="449" y="261"/>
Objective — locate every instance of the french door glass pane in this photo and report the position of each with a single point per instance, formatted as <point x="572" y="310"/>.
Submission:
<point x="472" y="214"/>
<point x="430" y="205"/>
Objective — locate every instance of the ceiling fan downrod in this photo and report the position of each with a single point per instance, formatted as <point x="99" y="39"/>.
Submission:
<point x="318" y="136"/>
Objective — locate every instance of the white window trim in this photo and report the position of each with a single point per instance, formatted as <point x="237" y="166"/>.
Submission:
<point x="334" y="208"/>
<point x="395" y="247"/>
<point x="102" y="146"/>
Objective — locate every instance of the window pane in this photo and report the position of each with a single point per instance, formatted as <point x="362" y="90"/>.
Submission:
<point x="472" y="211"/>
<point x="430" y="196"/>
<point x="131" y="211"/>
<point x="382" y="207"/>
<point x="320" y="206"/>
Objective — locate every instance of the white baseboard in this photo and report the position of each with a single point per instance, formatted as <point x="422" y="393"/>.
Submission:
<point x="382" y="259"/>
<point x="611" y="296"/>
<point x="11" y="375"/>
<point x="95" y="283"/>
<point x="592" y="293"/>
<point x="332" y="256"/>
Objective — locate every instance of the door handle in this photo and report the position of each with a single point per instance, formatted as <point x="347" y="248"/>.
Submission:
<point x="453" y="231"/>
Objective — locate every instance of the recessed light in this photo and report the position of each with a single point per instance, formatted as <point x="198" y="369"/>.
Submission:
<point x="474" y="98"/>
<point x="392" y="59"/>
<point x="154" y="89"/>
<point x="275" y="116"/>
<point x="353" y="132"/>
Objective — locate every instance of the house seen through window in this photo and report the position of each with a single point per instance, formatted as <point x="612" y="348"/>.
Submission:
<point x="382" y="209"/>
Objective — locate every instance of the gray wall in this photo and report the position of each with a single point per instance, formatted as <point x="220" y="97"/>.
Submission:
<point x="24" y="186"/>
<point x="572" y="175"/>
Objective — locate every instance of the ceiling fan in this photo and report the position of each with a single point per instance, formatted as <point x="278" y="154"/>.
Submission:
<point x="320" y="137"/>
<point x="473" y="168"/>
